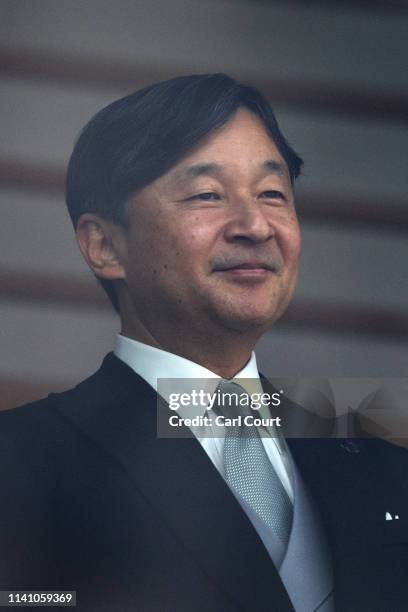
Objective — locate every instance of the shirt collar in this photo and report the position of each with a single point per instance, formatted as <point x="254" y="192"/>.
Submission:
<point x="152" y="363"/>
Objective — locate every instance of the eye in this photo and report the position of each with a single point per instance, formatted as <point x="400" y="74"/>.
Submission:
<point x="207" y="196"/>
<point x="274" y="195"/>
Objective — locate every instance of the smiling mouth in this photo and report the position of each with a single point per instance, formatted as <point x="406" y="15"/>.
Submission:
<point x="245" y="270"/>
<point x="248" y="271"/>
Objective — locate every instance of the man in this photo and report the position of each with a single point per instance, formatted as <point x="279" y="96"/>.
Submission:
<point x="182" y="199"/>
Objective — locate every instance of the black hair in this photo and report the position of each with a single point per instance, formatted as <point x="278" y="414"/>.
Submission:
<point x="140" y="137"/>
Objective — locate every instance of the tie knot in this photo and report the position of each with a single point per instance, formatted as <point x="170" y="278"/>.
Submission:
<point x="231" y="400"/>
<point x="230" y="386"/>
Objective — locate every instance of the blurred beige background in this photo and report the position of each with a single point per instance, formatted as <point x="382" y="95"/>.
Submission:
<point x="336" y="74"/>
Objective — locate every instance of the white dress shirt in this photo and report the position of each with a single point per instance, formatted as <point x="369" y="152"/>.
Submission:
<point x="151" y="364"/>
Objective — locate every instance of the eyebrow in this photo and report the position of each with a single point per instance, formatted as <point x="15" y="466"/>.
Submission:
<point x="269" y="166"/>
<point x="273" y="166"/>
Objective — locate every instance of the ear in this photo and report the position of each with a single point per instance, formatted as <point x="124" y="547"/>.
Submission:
<point x="102" y="244"/>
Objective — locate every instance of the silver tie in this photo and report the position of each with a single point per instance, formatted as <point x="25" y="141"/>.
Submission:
<point x="249" y="472"/>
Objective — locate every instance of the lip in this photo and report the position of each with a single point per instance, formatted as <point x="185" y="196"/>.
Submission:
<point x="247" y="271"/>
<point x="248" y="265"/>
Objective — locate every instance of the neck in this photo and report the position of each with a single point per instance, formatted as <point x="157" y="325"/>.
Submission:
<point x="224" y="354"/>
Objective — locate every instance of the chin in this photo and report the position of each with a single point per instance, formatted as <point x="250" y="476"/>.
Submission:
<point x="257" y="322"/>
<point x="247" y="311"/>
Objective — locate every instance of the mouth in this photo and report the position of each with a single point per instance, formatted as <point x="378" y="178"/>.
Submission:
<point x="248" y="270"/>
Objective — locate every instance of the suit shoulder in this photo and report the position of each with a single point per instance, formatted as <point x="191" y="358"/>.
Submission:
<point x="40" y="420"/>
<point x="57" y="415"/>
<point x="43" y="409"/>
<point x="25" y="416"/>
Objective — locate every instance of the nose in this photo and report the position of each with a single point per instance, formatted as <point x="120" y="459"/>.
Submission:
<point x="248" y="222"/>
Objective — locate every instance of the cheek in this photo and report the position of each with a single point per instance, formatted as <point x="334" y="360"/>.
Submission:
<point x="176" y="258"/>
<point x="291" y="244"/>
<point x="191" y="246"/>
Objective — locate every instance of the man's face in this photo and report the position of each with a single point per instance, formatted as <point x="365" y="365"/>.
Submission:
<point x="214" y="243"/>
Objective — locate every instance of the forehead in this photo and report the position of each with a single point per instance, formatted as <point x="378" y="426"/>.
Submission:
<point x="242" y="141"/>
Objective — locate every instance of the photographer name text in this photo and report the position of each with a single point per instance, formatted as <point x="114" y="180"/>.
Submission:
<point x="221" y="421"/>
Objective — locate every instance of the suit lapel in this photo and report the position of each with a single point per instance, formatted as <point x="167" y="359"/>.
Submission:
<point x="117" y="410"/>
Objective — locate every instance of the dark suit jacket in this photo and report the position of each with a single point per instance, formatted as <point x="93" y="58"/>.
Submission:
<point x="91" y="500"/>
